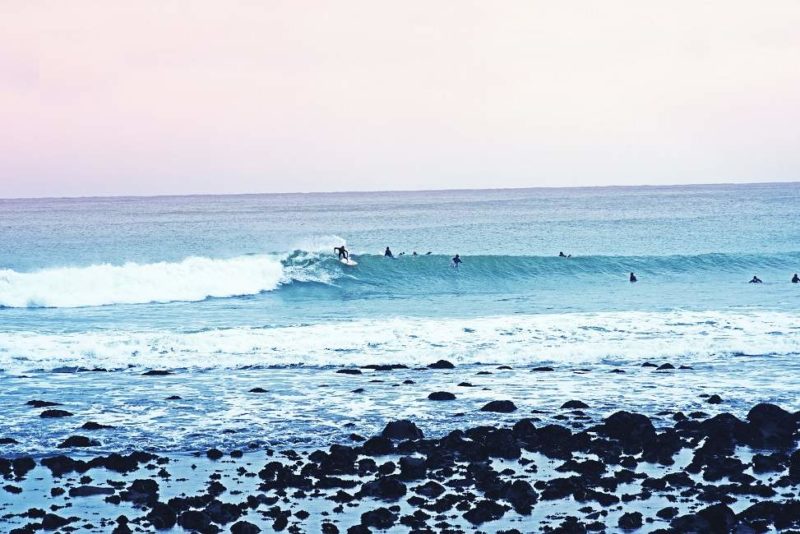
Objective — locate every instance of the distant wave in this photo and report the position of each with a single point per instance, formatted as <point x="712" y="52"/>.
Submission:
<point x="199" y="278"/>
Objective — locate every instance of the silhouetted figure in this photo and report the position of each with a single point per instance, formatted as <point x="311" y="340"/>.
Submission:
<point x="414" y="253"/>
<point x="428" y="253"/>
<point x="344" y="254"/>
<point x="388" y="253"/>
<point x="457" y="261"/>
<point x="756" y="280"/>
<point x="633" y="278"/>
<point x="562" y="255"/>
<point x="795" y="279"/>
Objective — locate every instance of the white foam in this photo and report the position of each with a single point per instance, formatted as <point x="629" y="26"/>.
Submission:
<point x="192" y="279"/>
<point x="584" y="337"/>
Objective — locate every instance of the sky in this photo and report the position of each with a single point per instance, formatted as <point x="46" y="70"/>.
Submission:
<point x="148" y="97"/>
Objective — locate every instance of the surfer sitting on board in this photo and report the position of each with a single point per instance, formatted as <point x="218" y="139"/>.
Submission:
<point x="344" y="254"/>
<point x="456" y="261"/>
<point x="388" y="253"/>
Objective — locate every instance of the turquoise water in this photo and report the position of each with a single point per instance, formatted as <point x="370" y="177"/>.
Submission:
<point x="177" y="274"/>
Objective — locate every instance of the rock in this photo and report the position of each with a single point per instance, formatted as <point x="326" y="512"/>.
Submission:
<point x="542" y="369"/>
<point x="157" y="372"/>
<point x="630" y="521"/>
<point x="55" y="413"/>
<point x="349" y="371"/>
<point x="465" y="385"/>
<point x="381" y="518"/>
<point x="716" y="518"/>
<point x="441" y="364"/>
<point x="522" y="496"/>
<point x="631" y="429"/>
<point x="173" y="397"/>
<point x="714" y="399"/>
<point x="194" y="520"/>
<point x="22" y="466"/>
<point x="12" y="489"/>
<point x="667" y="513"/>
<point x="402" y="429"/>
<point x="78" y="441"/>
<point x="794" y="465"/>
<point x="141" y="491"/>
<point x="88" y="491"/>
<point x="41" y="403"/>
<point x="385" y="488"/>
<point x="378" y="446"/>
<point x="385" y="367"/>
<point x="484" y="511"/>
<point x="649" y="364"/>
<point x="161" y="516"/>
<point x="244" y="527"/>
<point x="412" y="468"/>
<point x="214" y="454"/>
<point x="774" y="426"/>
<point x="500" y="406"/>
<point x="501" y="443"/>
<point x="441" y="396"/>
<point x="258" y="390"/>
<point x="91" y="425"/>
<point x="665" y="367"/>
<point x="8" y="441"/>
<point x="574" y="405"/>
<point x="53" y="522"/>
<point x="430" y="489"/>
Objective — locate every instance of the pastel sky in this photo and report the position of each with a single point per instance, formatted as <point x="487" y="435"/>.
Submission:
<point x="108" y="97"/>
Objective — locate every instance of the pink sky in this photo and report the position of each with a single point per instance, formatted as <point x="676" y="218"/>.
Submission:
<point x="163" y="97"/>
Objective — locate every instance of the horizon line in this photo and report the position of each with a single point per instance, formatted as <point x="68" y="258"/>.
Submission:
<point x="373" y="191"/>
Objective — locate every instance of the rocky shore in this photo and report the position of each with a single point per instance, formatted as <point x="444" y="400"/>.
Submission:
<point x="699" y="473"/>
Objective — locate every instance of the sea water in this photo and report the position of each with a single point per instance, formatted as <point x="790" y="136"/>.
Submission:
<point x="235" y="291"/>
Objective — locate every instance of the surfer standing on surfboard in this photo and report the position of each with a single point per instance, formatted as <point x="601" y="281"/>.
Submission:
<point x="344" y="254"/>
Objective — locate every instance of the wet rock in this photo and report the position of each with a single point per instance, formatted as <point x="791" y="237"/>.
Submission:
<point x="441" y="364"/>
<point x="41" y="404"/>
<point x="78" y="441"/>
<point x="12" y="489"/>
<point x="22" y="466"/>
<point x="53" y="522"/>
<point x="484" y="511"/>
<point x="649" y="364"/>
<point x="500" y="406"/>
<point x="381" y="518"/>
<point x="502" y="443"/>
<point x="522" y="496"/>
<point x="667" y="513"/>
<point x="358" y="390"/>
<point x="714" y="399"/>
<point x="8" y="441"/>
<point x="349" y="371"/>
<point x="244" y="527"/>
<point x="88" y="491"/>
<point x="91" y="425"/>
<point x="402" y="429"/>
<point x="157" y="372"/>
<point x="214" y="454"/>
<point x="161" y="516"/>
<point x="195" y="520"/>
<point x="774" y="426"/>
<point x="385" y="367"/>
<point x="574" y="405"/>
<point x="49" y="414"/>
<point x="441" y="396"/>
<point x="430" y="489"/>
<point x="173" y="397"/>
<point x="767" y="463"/>
<point x="665" y="367"/>
<point x="465" y="385"/>
<point x="716" y="518"/>
<point x="542" y="369"/>
<point x="412" y="468"/>
<point x="386" y="488"/>
<point x="630" y="521"/>
<point x="378" y="446"/>
<point x="633" y="430"/>
<point x="794" y="465"/>
<point x="258" y="390"/>
<point x="143" y="491"/>
<point x="222" y="513"/>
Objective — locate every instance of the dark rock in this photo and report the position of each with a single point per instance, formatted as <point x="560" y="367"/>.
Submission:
<point x="214" y="454"/>
<point x="441" y="396"/>
<point x="88" y="491"/>
<point x="244" y="527"/>
<point x="8" y="441"/>
<point x="378" y="446"/>
<point x="194" y="520"/>
<point x="574" y="405"/>
<point x="349" y="371"/>
<point x="42" y="404"/>
<point x="774" y="426"/>
<point x="173" y="397"/>
<point x="665" y="367"/>
<point x="258" y="390"/>
<point x="441" y="364"/>
<point x="157" y="372"/>
<point x="542" y="369"/>
<point x="161" y="516"/>
<point x="402" y="429"/>
<point x="385" y="367"/>
<point x="649" y="364"/>
<point x="714" y="399"/>
<point x="430" y="489"/>
<point x="484" y="511"/>
<point x="667" y="513"/>
<point x="55" y="413"/>
<point x="412" y="468"/>
<point x="630" y="521"/>
<point x="53" y="522"/>
<point x="91" y="425"/>
<point x="501" y="406"/>
<point x="22" y="466"/>
<point x="522" y="496"/>
<point x="381" y="518"/>
<point x="716" y="518"/>
<point x="633" y="430"/>
<point x="386" y="488"/>
<point x="12" y="489"/>
<point x="78" y="441"/>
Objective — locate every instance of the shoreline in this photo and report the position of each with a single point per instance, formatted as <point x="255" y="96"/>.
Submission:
<point x="571" y="472"/>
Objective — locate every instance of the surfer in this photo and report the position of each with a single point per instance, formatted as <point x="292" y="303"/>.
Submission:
<point x="633" y="278"/>
<point x="344" y="254"/>
<point x="388" y="253"/>
<point x="795" y="279"/>
<point x="562" y="255"/>
<point x="456" y="261"/>
<point x="756" y="280"/>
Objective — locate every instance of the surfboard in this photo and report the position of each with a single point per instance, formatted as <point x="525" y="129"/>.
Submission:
<point x="349" y="263"/>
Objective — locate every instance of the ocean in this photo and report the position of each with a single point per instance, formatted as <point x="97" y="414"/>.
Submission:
<point x="233" y="292"/>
